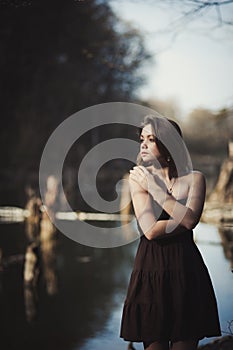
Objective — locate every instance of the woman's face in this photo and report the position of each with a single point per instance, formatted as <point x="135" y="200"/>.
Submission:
<point x="148" y="148"/>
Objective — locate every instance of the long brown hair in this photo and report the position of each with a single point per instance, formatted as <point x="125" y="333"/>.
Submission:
<point x="170" y="143"/>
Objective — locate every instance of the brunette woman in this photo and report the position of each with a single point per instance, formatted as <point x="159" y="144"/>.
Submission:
<point x="170" y="303"/>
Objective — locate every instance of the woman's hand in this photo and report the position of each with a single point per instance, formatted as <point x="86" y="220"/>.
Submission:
<point x="148" y="181"/>
<point x="142" y="176"/>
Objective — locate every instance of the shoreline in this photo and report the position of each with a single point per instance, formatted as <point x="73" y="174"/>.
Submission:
<point x="223" y="343"/>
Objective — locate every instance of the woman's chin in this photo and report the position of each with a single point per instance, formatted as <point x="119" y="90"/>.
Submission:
<point x="147" y="162"/>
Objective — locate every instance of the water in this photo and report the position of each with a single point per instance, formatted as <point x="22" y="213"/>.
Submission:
<point x="219" y="269"/>
<point x="78" y="300"/>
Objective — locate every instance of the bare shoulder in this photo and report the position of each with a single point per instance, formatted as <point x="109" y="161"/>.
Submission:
<point x="134" y="186"/>
<point x="196" y="177"/>
<point x="194" y="174"/>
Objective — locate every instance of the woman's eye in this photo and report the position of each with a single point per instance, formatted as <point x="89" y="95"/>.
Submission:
<point x="151" y="140"/>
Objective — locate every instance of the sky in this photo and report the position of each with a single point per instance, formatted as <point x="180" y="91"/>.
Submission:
<point x="195" y="68"/>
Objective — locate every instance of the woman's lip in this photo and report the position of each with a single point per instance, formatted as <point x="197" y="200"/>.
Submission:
<point x="143" y="153"/>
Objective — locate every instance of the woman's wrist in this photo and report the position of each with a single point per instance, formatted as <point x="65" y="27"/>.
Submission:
<point x="159" y="195"/>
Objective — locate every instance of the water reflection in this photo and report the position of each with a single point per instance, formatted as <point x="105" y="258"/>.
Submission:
<point x="226" y="233"/>
<point x="40" y="258"/>
<point x="69" y="296"/>
<point x="48" y="243"/>
<point x="31" y="273"/>
<point x="41" y="251"/>
<point x="210" y="244"/>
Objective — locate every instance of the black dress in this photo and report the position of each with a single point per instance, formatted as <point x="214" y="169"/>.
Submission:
<point x="170" y="294"/>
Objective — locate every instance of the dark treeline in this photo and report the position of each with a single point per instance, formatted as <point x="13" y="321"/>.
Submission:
<point x="208" y="132"/>
<point x="57" y="58"/>
<point x="207" y="135"/>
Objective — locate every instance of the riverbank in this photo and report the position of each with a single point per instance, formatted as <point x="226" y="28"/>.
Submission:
<point x="224" y="343"/>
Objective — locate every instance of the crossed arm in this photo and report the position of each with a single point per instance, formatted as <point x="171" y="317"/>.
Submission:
<point x="183" y="217"/>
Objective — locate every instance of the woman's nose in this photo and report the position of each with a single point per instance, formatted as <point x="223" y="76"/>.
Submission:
<point x="144" y="144"/>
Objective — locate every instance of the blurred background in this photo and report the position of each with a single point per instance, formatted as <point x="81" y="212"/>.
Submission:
<point x="58" y="58"/>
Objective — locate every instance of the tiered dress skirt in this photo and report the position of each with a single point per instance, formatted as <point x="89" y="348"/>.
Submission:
<point x="170" y="295"/>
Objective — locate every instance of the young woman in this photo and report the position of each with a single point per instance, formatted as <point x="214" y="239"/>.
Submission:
<point x="170" y="303"/>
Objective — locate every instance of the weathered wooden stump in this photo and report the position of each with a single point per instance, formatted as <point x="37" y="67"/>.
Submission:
<point x="224" y="343"/>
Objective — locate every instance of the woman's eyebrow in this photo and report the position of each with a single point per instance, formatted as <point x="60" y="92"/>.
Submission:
<point x="148" y="135"/>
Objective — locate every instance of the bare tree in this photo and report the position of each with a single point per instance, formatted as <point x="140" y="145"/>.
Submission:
<point x="208" y="17"/>
<point x="193" y="9"/>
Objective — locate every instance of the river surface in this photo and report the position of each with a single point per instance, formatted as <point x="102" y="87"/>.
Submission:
<point x="77" y="301"/>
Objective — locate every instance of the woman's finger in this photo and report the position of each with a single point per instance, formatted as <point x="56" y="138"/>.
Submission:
<point x="137" y="174"/>
<point x="133" y="174"/>
<point x="143" y="169"/>
<point x="140" y="170"/>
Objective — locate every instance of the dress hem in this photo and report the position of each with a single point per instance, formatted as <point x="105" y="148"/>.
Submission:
<point x="200" y="337"/>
